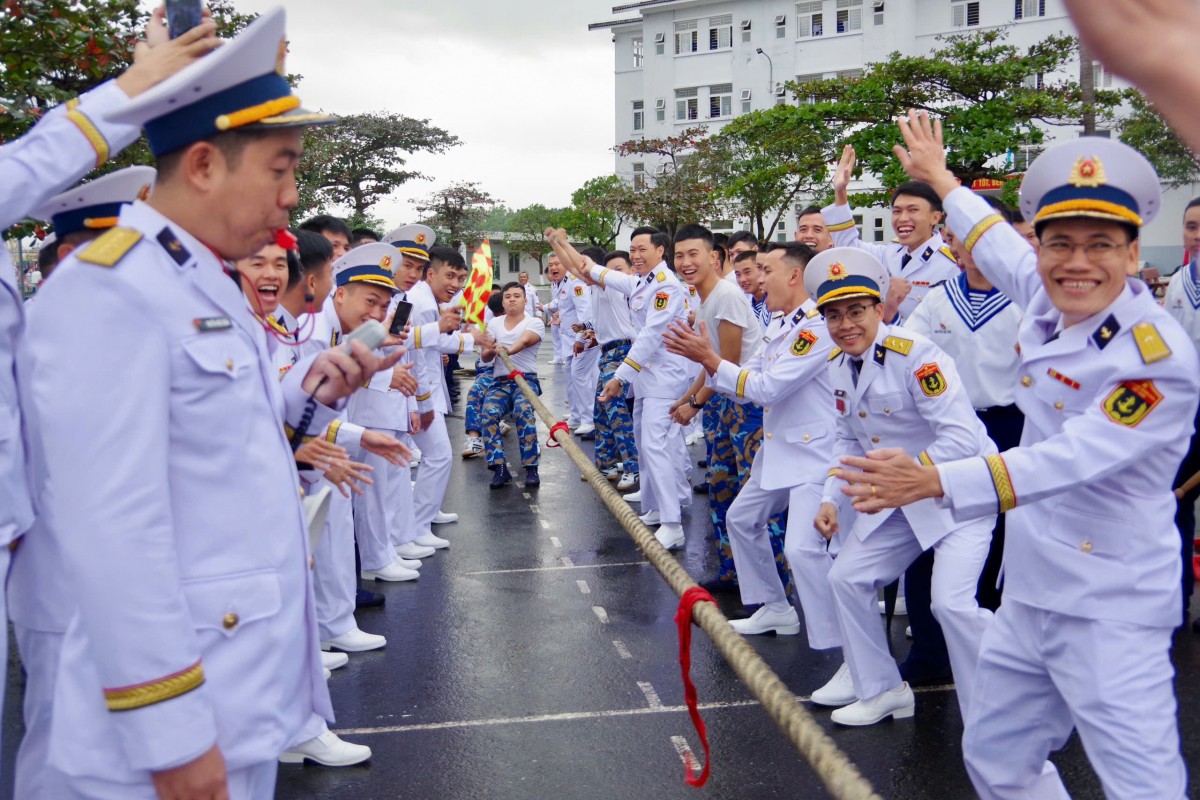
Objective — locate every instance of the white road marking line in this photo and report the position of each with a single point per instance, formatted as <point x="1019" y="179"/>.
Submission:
<point x="535" y="508"/>
<point x="554" y="542"/>
<point x="545" y="524"/>
<point x="583" y="587"/>
<point x="556" y="569"/>
<point x="652" y="698"/>
<point x="566" y="561"/>
<point x="563" y="717"/>
<point x="600" y="613"/>
<point x="685" y="754"/>
<point x="622" y="650"/>
<point x="527" y="495"/>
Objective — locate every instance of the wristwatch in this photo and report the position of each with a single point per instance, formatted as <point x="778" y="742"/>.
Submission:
<point x="692" y="402"/>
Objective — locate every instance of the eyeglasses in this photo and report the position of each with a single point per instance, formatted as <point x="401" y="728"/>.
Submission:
<point x="1097" y="252"/>
<point x="853" y="314"/>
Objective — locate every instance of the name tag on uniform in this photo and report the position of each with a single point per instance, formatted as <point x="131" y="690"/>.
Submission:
<point x="213" y="324"/>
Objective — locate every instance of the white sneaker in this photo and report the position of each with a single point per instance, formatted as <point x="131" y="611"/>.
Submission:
<point x="783" y="623"/>
<point x="908" y="632"/>
<point x="413" y="550"/>
<point x="431" y="540"/>
<point x="634" y="497"/>
<point x="555" y="362"/>
<point x="901" y="608"/>
<point x="444" y="518"/>
<point x="692" y="438"/>
<point x="627" y="482"/>
<point x="838" y="691"/>
<point x="332" y="660"/>
<point x="650" y="518"/>
<point x="392" y="572"/>
<point x="416" y="457"/>
<point x="327" y="750"/>
<point x="504" y="428"/>
<point x="612" y="474"/>
<point x="897" y="703"/>
<point x="587" y="427"/>
<point x="355" y="641"/>
<point x="670" y="535"/>
<point x="472" y="446"/>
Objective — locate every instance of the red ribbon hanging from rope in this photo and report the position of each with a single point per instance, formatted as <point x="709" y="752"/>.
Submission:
<point x="558" y="426"/>
<point x="683" y="620"/>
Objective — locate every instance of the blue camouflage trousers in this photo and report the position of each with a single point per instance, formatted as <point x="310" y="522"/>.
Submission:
<point x="505" y="397"/>
<point x="736" y="434"/>
<point x="615" y="446"/>
<point x="474" y="409"/>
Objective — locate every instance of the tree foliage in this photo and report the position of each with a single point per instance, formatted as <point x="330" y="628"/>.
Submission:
<point x="361" y="160"/>
<point x="457" y="212"/>
<point x="1145" y="130"/>
<point x="526" y="230"/>
<point x="676" y="191"/>
<point x="595" y="216"/>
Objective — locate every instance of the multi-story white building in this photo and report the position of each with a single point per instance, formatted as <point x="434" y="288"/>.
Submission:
<point x="681" y="63"/>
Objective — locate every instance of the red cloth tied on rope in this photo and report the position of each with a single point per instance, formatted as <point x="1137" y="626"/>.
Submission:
<point x="683" y="620"/>
<point x="558" y="426"/>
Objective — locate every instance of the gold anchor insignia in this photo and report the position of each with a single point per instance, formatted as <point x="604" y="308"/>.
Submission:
<point x="1105" y="333"/>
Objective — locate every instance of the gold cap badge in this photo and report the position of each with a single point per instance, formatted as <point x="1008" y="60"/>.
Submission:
<point x="386" y="262"/>
<point x="1087" y="172"/>
<point x="837" y="271"/>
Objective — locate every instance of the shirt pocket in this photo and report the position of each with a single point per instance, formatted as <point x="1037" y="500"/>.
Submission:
<point x="227" y="604"/>
<point x="807" y="434"/>
<point x="1091" y="534"/>
<point x="888" y="404"/>
<point x="224" y="356"/>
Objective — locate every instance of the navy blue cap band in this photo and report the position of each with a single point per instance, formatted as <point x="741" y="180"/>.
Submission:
<point x="74" y="220"/>
<point x="1106" y="193"/>
<point x="199" y="120"/>
<point x="367" y="272"/>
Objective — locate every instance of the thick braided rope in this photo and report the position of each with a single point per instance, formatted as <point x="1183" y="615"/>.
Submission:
<point x="836" y="771"/>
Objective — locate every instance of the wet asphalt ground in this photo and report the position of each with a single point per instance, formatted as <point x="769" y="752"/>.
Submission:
<point x="537" y="658"/>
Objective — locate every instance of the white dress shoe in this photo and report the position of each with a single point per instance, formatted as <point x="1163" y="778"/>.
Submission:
<point x="838" y="692"/>
<point x="332" y="660"/>
<point x="650" y="518"/>
<point x="408" y="563"/>
<point x="784" y="623"/>
<point x="355" y="641"/>
<point x="392" y="572"/>
<point x="328" y="674"/>
<point x="908" y="632"/>
<point x="413" y="550"/>
<point x="692" y="438"/>
<point x="896" y="703"/>
<point x="627" y="482"/>
<point x="444" y="518"/>
<point x="327" y="750"/>
<point x="634" y="497"/>
<point x="586" y="427"/>
<point x="901" y="608"/>
<point x="431" y="540"/>
<point x="670" y="535"/>
<point x="416" y="457"/>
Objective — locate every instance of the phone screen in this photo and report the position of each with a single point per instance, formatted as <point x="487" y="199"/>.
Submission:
<point x="183" y="15"/>
<point x="403" y="310"/>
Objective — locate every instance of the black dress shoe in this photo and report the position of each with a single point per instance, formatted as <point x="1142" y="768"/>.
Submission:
<point x="717" y="585"/>
<point x="702" y="463"/>
<point x="700" y="488"/>
<point x="366" y="599"/>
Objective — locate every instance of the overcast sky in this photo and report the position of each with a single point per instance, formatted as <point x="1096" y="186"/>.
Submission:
<point x="522" y="83"/>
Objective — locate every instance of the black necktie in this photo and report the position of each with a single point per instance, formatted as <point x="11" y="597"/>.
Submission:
<point x="904" y="259"/>
<point x="855" y="369"/>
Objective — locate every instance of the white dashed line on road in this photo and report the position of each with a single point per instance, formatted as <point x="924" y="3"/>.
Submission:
<point x="545" y="524"/>
<point x="583" y="587"/>
<point x="600" y="613"/>
<point x="556" y="569"/>
<point x="566" y="561"/>
<point x="622" y="650"/>
<point x="652" y="698"/>
<point x="685" y="754"/>
<point x="554" y="542"/>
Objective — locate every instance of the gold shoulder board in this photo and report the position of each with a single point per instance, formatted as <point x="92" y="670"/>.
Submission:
<point x="837" y="351"/>
<point x="111" y="247"/>
<point x="946" y="252"/>
<point x="898" y="345"/>
<point x="1150" y="343"/>
<point x="662" y="276"/>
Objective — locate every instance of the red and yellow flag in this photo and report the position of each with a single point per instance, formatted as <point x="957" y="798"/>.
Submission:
<point x="479" y="285"/>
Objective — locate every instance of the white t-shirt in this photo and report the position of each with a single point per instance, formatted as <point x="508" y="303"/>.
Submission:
<point x="727" y="302"/>
<point x="526" y="360"/>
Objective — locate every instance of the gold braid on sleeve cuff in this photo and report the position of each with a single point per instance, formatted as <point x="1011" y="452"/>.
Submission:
<point x="981" y="227"/>
<point x="841" y="226"/>
<point x="91" y="133"/>
<point x="1003" y="482"/>
<point x="128" y="698"/>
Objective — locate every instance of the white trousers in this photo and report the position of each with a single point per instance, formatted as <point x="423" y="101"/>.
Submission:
<point x="556" y="336"/>
<point x="255" y="782"/>
<point x="35" y="778"/>
<point x="806" y="551"/>
<point x="334" y="581"/>
<point x="1041" y="673"/>
<point x="661" y="458"/>
<point x="865" y="566"/>
<point x="434" y="473"/>
<point x="373" y="513"/>
<point x="585" y="374"/>
<point x="402" y="524"/>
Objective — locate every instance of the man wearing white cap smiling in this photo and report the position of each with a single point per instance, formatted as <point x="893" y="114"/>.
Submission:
<point x="192" y="659"/>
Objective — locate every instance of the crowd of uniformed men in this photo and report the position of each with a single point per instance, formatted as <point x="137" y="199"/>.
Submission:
<point x="869" y="412"/>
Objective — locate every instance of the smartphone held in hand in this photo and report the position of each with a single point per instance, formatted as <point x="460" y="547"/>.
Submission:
<point x="183" y="15"/>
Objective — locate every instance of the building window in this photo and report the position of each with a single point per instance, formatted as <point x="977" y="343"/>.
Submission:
<point x="638" y="55"/>
<point x="964" y="15"/>
<point x="660" y="40"/>
<point x="720" y="101"/>
<point x="1029" y="9"/>
<point x="720" y="32"/>
<point x="879" y="229"/>
<point x="781" y="26"/>
<point x="849" y="74"/>
<point x="809" y="19"/>
<point x="687" y="104"/>
<point x="745" y="101"/>
<point x="687" y="37"/>
<point x="639" y="175"/>
<point x="1101" y="78"/>
<point x="746" y="25"/>
<point x="660" y="109"/>
<point x="514" y="262"/>
<point x="639" y="115"/>
<point x="809" y="78"/>
<point x="849" y="16"/>
<point x="1037" y="81"/>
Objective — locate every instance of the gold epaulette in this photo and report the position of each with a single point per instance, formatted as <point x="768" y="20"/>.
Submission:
<point x="1150" y="343"/>
<point x="834" y="353"/>
<point x="111" y="247"/>
<point x="946" y="252"/>
<point x="662" y="276"/>
<point x="898" y="345"/>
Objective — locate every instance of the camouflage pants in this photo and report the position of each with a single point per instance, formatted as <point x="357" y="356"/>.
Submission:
<point x="505" y="397"/>
<point x="474" y="408"/>
<point x="615" y="446"/>
<point x="737" y="432"/>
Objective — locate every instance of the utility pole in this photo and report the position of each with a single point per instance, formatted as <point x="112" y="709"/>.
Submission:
<point x="1087" y="84"/>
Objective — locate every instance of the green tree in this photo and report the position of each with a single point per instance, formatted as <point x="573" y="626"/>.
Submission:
<point x="993" y="99"/>
<point x="1143" y="129"/>
<point x="675" y="192"/>
<point x="361" y="160"/>
<point x="594" y="216"/>
<point x="499" y="218"/>
<point x="457" y="212"/>
<point x="527" y="229"/>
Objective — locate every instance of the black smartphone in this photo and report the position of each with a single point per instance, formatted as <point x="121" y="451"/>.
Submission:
<point x="403" y="310"/>
<point x="183" y="15"/>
